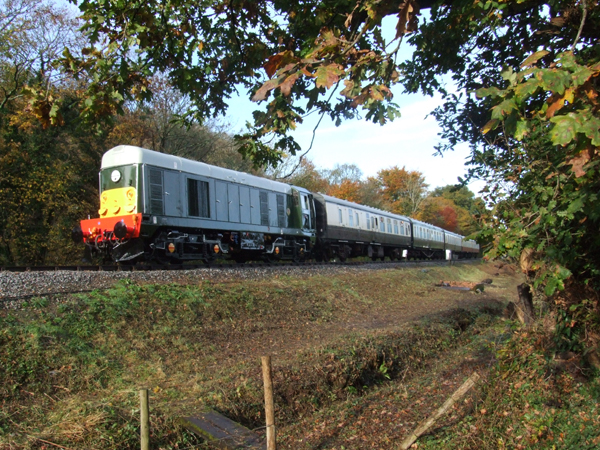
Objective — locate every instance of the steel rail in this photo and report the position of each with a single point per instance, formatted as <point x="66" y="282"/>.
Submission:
<point x="247" y="265"/>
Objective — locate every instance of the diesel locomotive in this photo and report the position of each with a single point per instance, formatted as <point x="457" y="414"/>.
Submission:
<point x="159" y="207"/>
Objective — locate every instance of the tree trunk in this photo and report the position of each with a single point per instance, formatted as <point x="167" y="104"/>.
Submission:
<point x="525" y="304"/>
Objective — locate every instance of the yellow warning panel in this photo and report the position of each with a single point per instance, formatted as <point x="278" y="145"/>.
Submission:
<point x="117" y="202"/>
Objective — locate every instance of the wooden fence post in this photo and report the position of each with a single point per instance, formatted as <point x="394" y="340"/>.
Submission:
<point x="144" y="420"/>
<point x="269" y="406"/>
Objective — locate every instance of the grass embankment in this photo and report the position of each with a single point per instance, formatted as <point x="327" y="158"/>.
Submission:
<point x="359" y="358"/>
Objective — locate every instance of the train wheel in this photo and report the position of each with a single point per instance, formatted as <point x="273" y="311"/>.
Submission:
<point x="269" y="258"/>
<point x="209" y="258"/>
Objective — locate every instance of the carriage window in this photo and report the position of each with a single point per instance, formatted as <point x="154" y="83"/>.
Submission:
<point x="340" y="214"/>
<point x="389" y="222"/>
<point x="198" y="205"/>
<point x="382" y="224"/>
<point x="368" y="222"/>
<point x="396" y="227"/>
<point x="357" y="222"/>
<point x="350" y="218"/>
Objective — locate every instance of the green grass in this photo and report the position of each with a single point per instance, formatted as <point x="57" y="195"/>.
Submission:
<point x="71" y="370"/>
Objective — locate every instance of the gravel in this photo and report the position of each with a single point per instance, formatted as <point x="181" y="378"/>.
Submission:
<point x="17" y="286"/>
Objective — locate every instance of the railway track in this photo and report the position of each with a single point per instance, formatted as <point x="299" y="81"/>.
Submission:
<point x="248" y="265"/>
<point x="18" y="284"/>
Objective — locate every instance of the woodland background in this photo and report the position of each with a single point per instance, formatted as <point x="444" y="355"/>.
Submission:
<point x="50" y="167"/>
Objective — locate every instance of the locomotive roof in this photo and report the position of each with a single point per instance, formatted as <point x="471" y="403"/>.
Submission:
<point x="129" y="154"/>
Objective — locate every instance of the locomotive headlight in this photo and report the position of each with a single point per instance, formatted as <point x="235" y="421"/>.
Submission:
<point x="115" y="176"/>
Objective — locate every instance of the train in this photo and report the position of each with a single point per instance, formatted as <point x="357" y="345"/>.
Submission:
<point x="157" y="207"/>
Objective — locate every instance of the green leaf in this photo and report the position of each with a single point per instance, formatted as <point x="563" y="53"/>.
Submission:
<point x="576" y="205"/>
<point x="503" y="109"/>
<point x="532" y="59"/>
<point x="509" y="75"/>
<point x="565" y="129"/>
<point x="491" y="125"/>
<point x="554" y="80"/>
<point x="551" y="286"/>
<point x="489" y="92"/>
<point x="522" y="129"/>
<point x="591" y="127"/>
<point x="524" y="90"/>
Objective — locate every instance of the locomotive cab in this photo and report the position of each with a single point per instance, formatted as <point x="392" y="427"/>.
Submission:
<point x="112" y="233"/>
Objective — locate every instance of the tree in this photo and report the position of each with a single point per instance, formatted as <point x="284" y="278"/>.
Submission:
<point x="284" y="53"/>
<point x="48" y="174"/>
<point x="32" y="36"/>
<point x="343" y="173"/>
<point x="402" y="190"/>
<point x="301" y="173"/>
<point x="440" y="212"/>
<point x="346" y="190"/>
<point x="370" y="193"/>
<point x="344" y="182"/>
<point x="469" y="209"/>
<point x="533" y="126"/>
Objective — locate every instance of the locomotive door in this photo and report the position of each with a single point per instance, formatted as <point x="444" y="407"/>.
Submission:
<point x="233" y="202"/>
<point x="307" y="215"/>
<point x="172" y="194"/>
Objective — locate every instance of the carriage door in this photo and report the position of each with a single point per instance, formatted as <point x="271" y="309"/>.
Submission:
<point x="307" y="216"/>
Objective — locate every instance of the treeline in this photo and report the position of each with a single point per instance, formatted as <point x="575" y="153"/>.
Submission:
<point x="402" y="191"/>
<point x="49" y="159"/>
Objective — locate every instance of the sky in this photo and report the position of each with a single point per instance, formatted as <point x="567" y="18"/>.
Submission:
<point x="407" y="142"/>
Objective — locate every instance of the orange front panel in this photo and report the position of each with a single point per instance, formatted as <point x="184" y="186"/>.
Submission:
<point x="96" y="227"/>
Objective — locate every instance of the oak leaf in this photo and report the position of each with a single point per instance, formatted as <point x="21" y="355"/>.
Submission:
<point x="578" y="162"/>
<point x="558" y="101"/>
<point x="286" y="86"/>
<point x="276" y="61"/>
<point x="328" y="75"/>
